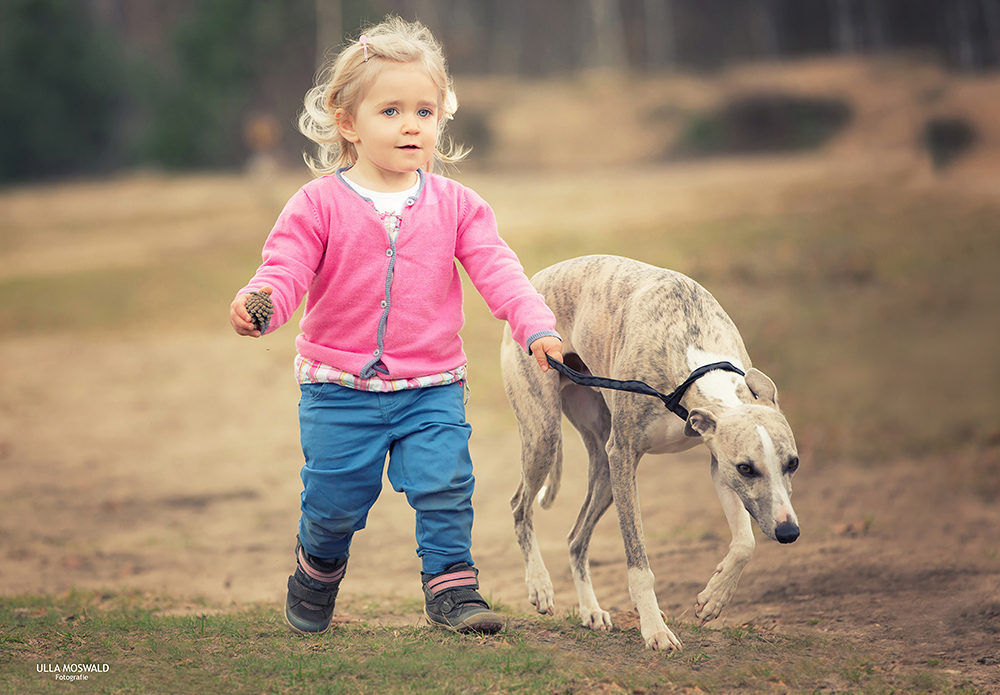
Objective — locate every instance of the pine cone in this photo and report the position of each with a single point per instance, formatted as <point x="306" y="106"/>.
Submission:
<point x="260" y="308"/>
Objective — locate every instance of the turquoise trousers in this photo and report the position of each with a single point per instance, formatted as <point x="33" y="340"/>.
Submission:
<point x="347" y="435"/>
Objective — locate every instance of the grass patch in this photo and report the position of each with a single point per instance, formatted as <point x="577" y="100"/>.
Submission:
<point x="133" y="642"/>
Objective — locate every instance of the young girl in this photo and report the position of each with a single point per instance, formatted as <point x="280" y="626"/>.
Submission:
<point x="372" y="243"/>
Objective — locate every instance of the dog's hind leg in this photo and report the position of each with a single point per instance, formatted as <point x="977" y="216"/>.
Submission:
<point x="586" y="410"/>
<point x="539" y="452"/>
<point x="534" y="397"/>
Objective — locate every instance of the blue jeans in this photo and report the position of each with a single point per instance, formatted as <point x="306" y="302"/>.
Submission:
<point x="346" y="435"/>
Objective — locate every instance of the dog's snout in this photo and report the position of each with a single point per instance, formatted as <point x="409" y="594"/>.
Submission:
<point x="786" y="532"/>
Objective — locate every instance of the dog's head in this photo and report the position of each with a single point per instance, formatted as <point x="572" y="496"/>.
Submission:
<point x="753" y="454"/>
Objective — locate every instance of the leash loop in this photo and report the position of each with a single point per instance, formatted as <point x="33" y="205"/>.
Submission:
<point x="672" y="401"/>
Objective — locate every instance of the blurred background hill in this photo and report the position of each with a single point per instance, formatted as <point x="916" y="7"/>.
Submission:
<point x="95" y="86"/>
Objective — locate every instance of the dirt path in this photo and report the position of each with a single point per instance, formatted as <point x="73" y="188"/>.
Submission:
<point x="171" y="466"/>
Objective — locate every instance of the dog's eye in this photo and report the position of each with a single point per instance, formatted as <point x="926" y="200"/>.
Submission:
<point x="793" y="465"/>
<point x="745" y="469"/>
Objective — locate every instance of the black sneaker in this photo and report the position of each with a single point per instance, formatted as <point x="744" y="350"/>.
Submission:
<point x="453" y="602"/>
<point x="310" y="601"/>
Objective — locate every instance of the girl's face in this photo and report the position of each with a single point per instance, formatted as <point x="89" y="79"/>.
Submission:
<point x="394" y="129"/>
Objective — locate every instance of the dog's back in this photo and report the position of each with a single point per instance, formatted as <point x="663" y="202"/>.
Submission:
<point x="654" y="314"/>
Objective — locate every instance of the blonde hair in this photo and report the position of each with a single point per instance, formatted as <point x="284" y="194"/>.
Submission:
<point x="342" y="85"/>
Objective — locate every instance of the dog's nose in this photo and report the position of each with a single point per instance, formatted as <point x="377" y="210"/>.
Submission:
<point x="786" y="532"/>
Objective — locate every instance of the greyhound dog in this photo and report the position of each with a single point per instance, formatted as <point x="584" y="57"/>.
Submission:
<point x="623" y="319"/>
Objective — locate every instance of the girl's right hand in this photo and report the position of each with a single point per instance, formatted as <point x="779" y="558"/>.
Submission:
<point x="239" y="317"/>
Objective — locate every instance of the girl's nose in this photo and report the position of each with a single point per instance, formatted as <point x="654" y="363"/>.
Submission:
<point x="411" y="124"/>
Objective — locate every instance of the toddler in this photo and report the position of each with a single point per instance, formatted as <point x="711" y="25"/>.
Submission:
<point x="371" y="244"/>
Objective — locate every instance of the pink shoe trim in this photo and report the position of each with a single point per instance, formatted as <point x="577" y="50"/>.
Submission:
<point x="450" y="581"/>
<point x="326" y="577"/>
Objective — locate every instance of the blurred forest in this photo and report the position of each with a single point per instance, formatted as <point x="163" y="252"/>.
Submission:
<point x="92" y="86"/>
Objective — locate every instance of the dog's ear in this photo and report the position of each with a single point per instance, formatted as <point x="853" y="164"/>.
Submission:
<point x="700" y="423"/>
<point x="761" y="386"/>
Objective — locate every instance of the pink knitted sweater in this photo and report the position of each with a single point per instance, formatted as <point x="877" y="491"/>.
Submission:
<point x="392" y="308"/>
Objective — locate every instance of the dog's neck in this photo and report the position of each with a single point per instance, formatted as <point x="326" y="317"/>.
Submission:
<point x="717" y="388"/>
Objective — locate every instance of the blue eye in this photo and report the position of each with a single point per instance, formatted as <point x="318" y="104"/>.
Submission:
<point x="391" y="111"/>
<point x="425" y="113"/>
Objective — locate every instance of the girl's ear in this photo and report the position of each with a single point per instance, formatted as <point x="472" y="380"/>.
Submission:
<point x="345" y="124"/>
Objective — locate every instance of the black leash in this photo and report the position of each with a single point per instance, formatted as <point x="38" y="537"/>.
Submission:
<point x="672" y="401"/>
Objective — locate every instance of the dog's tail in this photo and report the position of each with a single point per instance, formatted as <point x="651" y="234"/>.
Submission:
<point x="547" y="495"/>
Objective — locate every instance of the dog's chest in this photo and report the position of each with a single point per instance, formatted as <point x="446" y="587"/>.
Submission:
<point x="665" y="435"/>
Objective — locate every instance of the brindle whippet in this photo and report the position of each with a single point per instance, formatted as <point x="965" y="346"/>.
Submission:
<point x="624" y="319"/>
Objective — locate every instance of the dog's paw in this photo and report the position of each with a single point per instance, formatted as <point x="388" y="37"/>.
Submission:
<point x="540" y="592"/>
<point x="715" y="597"/>
<point x="542" y="603"/>
<point x="542" y="597"/>
<point x="595" y="619"/>
<point x="656" y="633"/>
<point x="663" y="641"/>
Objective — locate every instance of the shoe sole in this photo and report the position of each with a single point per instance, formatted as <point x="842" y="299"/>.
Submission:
<point x="484" y="623"/>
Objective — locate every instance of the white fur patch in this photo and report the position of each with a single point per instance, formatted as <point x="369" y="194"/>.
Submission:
<point x="780" y="502"/>
<point x="717" y="386"/>
<point x="770" y="457"/>
<point x="640" y="587"/>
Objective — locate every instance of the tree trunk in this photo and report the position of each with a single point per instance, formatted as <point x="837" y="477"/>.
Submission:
<point x="991" y="14"/>
<point x="965" y="49"/>
<point x="609" y="36"/>
<point x="765" y="33"/>
<point x="660" y="45"/>
<point x="329" y="29"/>
<point x="842" y="26"/>
<point x="503" y="27"/>
<point x="875" y="24"/>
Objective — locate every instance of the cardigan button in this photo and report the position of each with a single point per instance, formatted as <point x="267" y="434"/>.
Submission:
<point x="384" y="304"/>
<point x="388" y="252"/>
<point x="377" y="352"/>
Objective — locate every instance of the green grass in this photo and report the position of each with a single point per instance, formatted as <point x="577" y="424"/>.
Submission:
<point x="138" y="646"/>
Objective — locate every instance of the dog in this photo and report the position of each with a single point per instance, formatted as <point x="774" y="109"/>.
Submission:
<point x="623" y="319"/>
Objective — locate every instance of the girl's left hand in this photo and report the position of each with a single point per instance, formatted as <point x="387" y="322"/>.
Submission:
<point x="546" y="345"/>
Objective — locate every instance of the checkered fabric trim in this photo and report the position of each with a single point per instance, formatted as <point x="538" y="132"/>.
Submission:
<point x="309" y="371"/>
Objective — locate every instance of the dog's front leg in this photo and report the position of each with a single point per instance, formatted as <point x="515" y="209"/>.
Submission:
<point x="640" y="577"/>
<point x="722" y="585"/>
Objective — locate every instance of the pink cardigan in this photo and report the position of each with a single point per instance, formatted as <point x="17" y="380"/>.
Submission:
<point x="394" y="309"/>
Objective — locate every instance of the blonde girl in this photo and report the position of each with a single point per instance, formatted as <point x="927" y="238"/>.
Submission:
<point x="371" y="245"/>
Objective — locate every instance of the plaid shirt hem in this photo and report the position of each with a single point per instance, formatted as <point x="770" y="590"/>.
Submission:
<point x="309" y="371"/>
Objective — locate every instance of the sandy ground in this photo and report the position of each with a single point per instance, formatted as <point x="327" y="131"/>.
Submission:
<point x="171" y="466"/>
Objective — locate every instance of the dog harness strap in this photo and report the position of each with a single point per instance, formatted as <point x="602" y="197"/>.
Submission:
<point x="672" y="401"/>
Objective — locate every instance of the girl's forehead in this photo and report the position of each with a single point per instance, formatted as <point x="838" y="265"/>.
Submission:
<point x="407" y="78"/>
